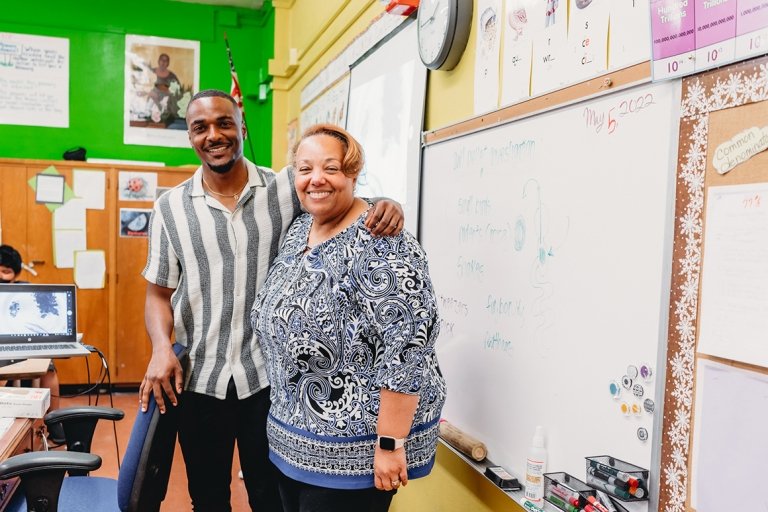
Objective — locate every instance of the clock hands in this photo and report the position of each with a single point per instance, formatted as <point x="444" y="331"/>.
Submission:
<point x="431" y="16"/>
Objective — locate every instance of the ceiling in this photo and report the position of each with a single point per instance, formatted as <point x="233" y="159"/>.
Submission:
<point x="248" y="4"/>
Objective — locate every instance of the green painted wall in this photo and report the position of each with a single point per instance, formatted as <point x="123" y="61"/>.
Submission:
<point x="96" y="31"/>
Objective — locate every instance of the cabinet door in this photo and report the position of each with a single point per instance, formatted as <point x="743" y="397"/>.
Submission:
<point x="13" y="209"/>
<point x="92" y="305"/>
<point x="132" y="345"/>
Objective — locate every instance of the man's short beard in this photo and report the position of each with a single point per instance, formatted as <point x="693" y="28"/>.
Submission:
<point x="223" y="168"/>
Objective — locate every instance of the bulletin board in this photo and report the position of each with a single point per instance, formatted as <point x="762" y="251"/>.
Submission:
<point x="716" y="397"/>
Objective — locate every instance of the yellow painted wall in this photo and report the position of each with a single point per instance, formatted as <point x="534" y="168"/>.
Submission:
<point x="319" y="31"/>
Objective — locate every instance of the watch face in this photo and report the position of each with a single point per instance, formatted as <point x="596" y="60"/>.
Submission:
<point x="433" y="19"/>
<point x="387" y="443"/>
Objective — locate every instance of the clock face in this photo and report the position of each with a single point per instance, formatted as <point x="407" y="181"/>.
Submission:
<point x="433" y="20"/>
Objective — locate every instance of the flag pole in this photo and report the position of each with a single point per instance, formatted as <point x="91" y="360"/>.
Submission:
<point x="237" y="95"/>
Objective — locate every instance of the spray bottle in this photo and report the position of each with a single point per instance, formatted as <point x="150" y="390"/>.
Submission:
<point x="535" y="467"/>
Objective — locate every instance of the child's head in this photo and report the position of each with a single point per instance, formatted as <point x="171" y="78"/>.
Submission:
<point x="10" y="264"/>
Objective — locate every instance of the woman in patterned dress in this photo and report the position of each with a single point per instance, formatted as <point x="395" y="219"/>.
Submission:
<point x="347" y="323"/>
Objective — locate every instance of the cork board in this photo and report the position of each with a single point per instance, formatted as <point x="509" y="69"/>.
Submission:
<point x="717" y="106"/>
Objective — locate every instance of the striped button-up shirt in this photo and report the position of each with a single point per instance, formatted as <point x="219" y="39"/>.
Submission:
<point x="216" y="261"/>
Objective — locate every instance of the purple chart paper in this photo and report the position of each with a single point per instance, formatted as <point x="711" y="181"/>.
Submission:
<point x="751" y="28"/>
<point x="715" y="32"/>
<point x="673" y="32"/>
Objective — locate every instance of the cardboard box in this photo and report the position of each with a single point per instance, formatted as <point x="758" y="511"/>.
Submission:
<point x="24" y="402"/>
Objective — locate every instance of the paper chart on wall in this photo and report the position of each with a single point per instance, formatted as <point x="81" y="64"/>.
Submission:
<point x="518" y="40"/>
<point x="550" y="70"/>
<point x="630" y="28"/>
<point x="729" y="400"/>
<point x="587" y="38"/>
<point x="673" y="31"/>
<point x="71" y="215"/>
<point x="734" y="306"/>
<point x="34" y="83"/>
<point x="751" y="28"/>
<point x="90" y="185"/>
<point x="715" y="33"/>
<point x="487" y="46"/>
<point x="65" y="243"/>
<point x="90" y="269"/>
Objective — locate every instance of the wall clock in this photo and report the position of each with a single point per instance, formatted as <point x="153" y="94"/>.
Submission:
<point x="443" y="31"/>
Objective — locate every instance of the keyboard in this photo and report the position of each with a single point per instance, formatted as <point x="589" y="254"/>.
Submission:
<point x="36" y="346"/>
<point x="41" y="350"/>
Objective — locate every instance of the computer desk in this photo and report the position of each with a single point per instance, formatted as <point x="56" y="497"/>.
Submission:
<point x="27" y="369"/>
<point x="19" y="438"/>
<point x="24" y="434"/>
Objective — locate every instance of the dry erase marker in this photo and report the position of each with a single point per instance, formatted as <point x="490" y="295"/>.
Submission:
<point x="596" y="504"/>
<point x="606" y="501"/>
<point x="605" y="486"/>
<point x="631" y="480"/>
<point x="566" y="494"/>
<point x="609" y="478"/>
<point x="530" y="507"/>
<point x="562" y="504"/>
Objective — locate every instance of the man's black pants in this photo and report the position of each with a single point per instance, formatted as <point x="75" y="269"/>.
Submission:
<point x="208" y="429"/>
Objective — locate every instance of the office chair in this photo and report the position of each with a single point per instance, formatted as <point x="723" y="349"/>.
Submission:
<point x="141" y="484"/>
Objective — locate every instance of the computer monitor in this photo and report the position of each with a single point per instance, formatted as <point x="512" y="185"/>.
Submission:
<point x="37" y="313"/>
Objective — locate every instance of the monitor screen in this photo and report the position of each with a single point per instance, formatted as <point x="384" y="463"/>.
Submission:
<point x="33" y="312"/>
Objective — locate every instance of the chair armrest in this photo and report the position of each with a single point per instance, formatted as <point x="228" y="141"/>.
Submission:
<point x="79" y="423"/>
<point x="20" y="465"/>
<point x="68" y="413"/>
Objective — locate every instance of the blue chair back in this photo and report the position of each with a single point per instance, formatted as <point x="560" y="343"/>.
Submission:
<point x="146" y="467"/>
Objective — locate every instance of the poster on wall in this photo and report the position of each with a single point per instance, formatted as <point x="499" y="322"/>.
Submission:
<point x="136" y="186"/>
<point x="161" y="76"/>
<point x="328" y="107"/>
<point x="34" y="80"/>
<point x="487" y="50"/>
<point x="134" y="222"/>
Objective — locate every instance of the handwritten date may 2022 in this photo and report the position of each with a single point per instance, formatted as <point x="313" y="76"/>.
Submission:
<point x="597" y="120"/>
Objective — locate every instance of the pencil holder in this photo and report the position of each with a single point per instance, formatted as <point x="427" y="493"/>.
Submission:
<point x="566" y="492"/>
<point x="620" y="479"/>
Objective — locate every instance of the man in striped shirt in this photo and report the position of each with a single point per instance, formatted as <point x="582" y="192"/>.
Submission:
<point x="212" y="240"/>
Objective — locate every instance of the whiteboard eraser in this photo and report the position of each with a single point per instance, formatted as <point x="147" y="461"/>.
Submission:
<point x="499" y="476"/>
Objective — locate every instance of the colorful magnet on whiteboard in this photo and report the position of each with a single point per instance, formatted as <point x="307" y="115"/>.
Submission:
<point x="648" y="405"/>
<point x="646" y="372"/>
<point x="636" y="409"/>
<point x="632" y="371"/>
<point x="642" y="434"/>
<point x="638" y="390"/>
<point x="615" y="389"/>
<point x="625" y="408"/>
<point x="626" y="381"/>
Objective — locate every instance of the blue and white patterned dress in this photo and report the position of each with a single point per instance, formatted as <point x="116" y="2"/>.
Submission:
<point x="337" y="323"/>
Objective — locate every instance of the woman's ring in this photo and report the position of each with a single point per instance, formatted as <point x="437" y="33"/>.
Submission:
<point x="395" y="483"/>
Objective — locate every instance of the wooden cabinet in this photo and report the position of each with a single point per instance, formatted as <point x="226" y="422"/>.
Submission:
<point x="111" y="318"/>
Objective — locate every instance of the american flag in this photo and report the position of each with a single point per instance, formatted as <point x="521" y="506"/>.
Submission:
<point x="235" y="92"/>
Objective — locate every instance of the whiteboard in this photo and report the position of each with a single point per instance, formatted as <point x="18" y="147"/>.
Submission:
<point x="386" y="115"/>
<point x="549" y="243"/>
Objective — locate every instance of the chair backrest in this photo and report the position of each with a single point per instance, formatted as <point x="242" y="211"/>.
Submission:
<point x="146" y="468"/>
